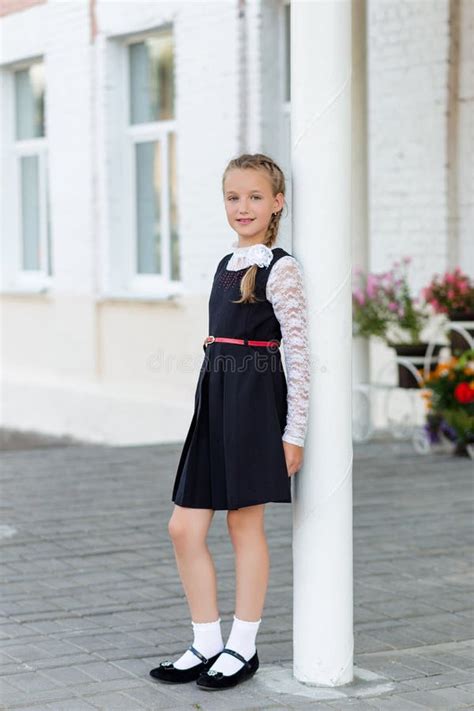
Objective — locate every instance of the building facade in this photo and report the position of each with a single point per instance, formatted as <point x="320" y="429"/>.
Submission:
<point x="117" y="121"/>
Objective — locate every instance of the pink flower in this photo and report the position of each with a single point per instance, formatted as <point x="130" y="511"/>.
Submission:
<point x="359" y="296"/>
<point x="392" y="306"/>
<point x="406" y="260"/>
<point x="371" y="286"/>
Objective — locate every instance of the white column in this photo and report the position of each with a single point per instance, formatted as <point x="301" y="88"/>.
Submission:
<point x="321" y="171"/>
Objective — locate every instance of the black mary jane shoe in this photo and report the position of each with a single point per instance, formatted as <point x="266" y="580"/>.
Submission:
<point x="210" y="679"/>
<point x="167" y="672"/>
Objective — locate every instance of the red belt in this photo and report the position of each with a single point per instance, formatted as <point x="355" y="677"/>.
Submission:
<point x="239" y="341"/>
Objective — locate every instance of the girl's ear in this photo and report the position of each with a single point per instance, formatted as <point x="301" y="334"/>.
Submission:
<point x="280" y="199"/>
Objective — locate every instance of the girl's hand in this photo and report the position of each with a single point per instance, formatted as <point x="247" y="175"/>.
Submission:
<point x="293" y="456"/>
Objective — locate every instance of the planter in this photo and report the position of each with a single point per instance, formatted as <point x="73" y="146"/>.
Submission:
<point x="414" y="354"/>
<point x="437" y="429"/>
<point x="464" y="446"/>
<point x="461" y="448"/>
<point x="433" y="427"/>
<point x="463" y="432"/>
<point x="457" y="341"/>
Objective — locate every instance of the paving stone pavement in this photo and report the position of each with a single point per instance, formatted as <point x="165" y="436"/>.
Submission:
<point x="91" y="598"/>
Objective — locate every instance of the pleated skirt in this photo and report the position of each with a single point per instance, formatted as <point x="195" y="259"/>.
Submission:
<point x="233" y="453"/>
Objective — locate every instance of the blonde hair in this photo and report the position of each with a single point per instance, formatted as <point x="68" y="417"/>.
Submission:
<point x="258" y="161"/>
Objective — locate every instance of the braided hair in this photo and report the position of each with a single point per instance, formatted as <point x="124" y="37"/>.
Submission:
<point x="258" y="161"/>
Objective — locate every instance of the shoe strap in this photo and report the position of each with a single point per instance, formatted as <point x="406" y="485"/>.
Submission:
<point x="198" y="654"/>
<point x="237" y="656"/>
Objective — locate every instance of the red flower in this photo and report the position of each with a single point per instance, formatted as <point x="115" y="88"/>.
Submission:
<point x="464" y="393"/>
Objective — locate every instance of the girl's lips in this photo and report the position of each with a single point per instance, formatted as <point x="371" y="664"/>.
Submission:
<point x="245" y="221"/>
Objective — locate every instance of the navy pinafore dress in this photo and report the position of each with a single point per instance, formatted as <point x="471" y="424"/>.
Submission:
<point x="233" y="453"/>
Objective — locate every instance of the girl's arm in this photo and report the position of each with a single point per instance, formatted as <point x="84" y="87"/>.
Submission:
<point x="285" y="291"/>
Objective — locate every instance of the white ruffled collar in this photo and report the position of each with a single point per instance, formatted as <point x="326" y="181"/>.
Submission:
<point x="246" y="256"/>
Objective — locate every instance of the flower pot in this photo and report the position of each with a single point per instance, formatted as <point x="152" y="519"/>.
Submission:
<point x="457" y="341"/>
<point x="433" y="425"/>
<point x="415" y="354"/>
<point x="461" y="447"/>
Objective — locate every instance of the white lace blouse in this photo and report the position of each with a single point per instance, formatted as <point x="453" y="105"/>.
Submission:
<point x="285" y="291"/>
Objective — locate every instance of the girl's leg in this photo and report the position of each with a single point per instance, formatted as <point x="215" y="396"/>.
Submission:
<point x="252" y="565"/>
<point x="188" y="528"/>
<point x="252" y="560"/>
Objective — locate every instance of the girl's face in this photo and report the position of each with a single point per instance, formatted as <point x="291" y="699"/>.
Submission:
<point x="249" y="203"/>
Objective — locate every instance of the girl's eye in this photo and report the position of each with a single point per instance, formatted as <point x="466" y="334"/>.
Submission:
<point x="257" y="197"/>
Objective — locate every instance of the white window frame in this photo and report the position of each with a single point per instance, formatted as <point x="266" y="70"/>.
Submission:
<point x="160" y="284"/>
<point x="286" y="104"/>
<point x="15" y="278"/>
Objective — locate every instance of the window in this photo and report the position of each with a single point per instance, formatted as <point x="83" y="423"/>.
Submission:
<point x="30" y="171"/>
<point x="287" y="51"/>
<point x="151" y="132"/>
<point x="285" y="89"/>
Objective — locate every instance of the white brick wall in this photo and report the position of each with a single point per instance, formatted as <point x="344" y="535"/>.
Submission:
<point x="465" y="181"/>
<point x="407" y="60"/>
<point x="420" y="187"/>
<point x="69" y="97"/>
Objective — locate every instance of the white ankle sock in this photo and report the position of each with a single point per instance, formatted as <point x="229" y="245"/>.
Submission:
<point x="242" y="640"/>
<point x="207" y="640"/>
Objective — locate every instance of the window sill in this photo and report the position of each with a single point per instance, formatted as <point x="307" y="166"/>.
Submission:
<point x="143" y="298"/>
<point x="105" y="297"/>
<point x="33" y="290"/>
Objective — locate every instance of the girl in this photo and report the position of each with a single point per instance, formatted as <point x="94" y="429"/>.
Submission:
<point x="247" y="434"/>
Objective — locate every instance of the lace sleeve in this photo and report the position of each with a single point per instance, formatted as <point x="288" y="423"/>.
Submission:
<point x="285" y="291"/>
